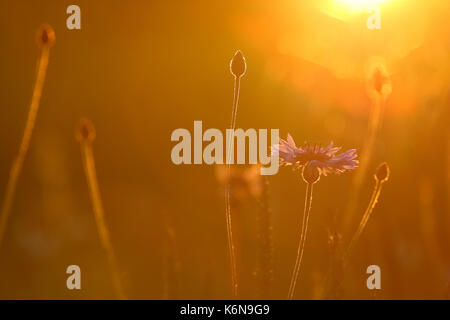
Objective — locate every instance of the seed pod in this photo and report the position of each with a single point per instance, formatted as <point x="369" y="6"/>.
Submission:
<point x="46" y="36"/>
<point x="85" y="131"/>
<point x="382" y="172"/>
<point x="310" y="173"/>
<point x="238" y="65"/>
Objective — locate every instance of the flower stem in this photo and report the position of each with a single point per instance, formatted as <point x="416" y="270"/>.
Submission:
<point x="17" y="165"/>
<point x="91" y="175"/>
<point x="265" y="256"/>
<point x="301" y="245"/>
<point x="378" y="105"/>
<point x="231" y="244"/>
<point x="171" y="263"/>
<point x="373" y="201"/>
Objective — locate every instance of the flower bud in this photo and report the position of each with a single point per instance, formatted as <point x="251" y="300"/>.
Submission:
<point x="85" y="131"/>
<point x="382" y="173"/>
<point x="238" y="65"/>
<point x="46" y="36"/>
<point x="310" y="173"/>
<point x="380" y="82"/>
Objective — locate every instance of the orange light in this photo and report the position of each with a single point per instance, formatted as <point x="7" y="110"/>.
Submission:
<point x="360" y="5"/>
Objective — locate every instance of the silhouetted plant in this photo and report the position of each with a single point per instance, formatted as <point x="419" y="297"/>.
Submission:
<point x="85" y="134"/>
<point x="381" y="176"/>
<point x="237" y="68"/>
<point x="45" y="40"/>
<point x="314" y="162"/>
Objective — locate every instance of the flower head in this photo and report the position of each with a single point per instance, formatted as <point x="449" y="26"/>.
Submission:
<point x="314" y="157"/>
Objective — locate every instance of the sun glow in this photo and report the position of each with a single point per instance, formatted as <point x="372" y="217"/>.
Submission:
<point x="360" y="5"/>
<point x="348" y="9"/>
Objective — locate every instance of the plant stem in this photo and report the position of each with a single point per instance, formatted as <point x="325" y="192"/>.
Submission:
<point x="17" y="165"/>
<point x="231" y="244"/>
<point x="91" y="175"/>
<point x="237" y="86"/>
<point x="365" y="159"/>
<point x="171" y="263"/>
<point x="301" y="245"/>
<point x="373" y="201"/>
<point x="265" y="257"/>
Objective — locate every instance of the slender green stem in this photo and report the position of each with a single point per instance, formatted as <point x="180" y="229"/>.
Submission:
<point x="17" y="165"/>
<point x="105" y="239"/>
<point x="301" y="245"/>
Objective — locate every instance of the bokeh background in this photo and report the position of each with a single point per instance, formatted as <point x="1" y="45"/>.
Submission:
<point x="140" y="69"/>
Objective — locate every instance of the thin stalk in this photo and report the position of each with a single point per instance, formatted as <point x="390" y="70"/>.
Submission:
<point x="366" y="157"/>
<point x="231" y="244"/>
<point x="171" y="263"/>
<point x="373" y="201"/>
<point x="265" y="257"/>
<point x="17" y="165"/>
<point x="301" y="245"/>
<point x="91" y="175"/>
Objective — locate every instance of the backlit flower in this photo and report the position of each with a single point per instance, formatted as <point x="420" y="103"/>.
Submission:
<point x="325" y="159"/>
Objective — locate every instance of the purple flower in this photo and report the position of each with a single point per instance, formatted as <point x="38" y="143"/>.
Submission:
<point x="314" y="156"/>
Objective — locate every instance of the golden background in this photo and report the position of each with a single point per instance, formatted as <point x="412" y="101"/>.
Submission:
<point x="140" y="69"/>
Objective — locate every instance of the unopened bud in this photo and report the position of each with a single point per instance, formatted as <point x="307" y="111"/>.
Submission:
<point x="238" y="65"/>
<point x="85" y="131"/>
<point x="46" y="36"/>
<point x="382" y="173"/>
<point x="380" y="82"/>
